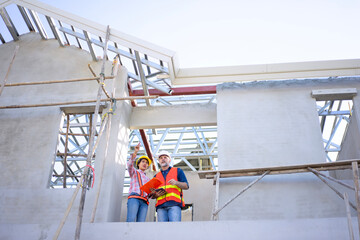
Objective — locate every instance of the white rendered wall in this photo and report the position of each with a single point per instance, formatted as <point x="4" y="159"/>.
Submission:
<point x="266" y="127"/>
<point x="269" y="124"/>
<point x="28" y="136"/>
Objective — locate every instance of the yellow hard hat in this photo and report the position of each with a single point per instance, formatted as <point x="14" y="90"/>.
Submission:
<point x="142" y="157"/>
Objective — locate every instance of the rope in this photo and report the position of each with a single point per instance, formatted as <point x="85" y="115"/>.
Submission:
<point x="93" y="170"/>
<point x="111" y="110"/>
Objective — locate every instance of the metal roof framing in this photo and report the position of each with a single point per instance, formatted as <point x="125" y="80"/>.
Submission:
<point x="146" y="63"/>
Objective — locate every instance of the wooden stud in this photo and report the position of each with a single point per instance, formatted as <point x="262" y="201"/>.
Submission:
<point x="214" y="216"/>
<point x="63" y="220"/>
<point x="91" y="140"/>
<point x="108" y="129"/>
<point x="9" y="68"/>
<point x="355" y="169"/>
<point x="51" y="82"/>
<point x="336" y="191"/>
<point x="75" y="102"/>
<point x="242" y="191"/>
<point x="102" y="86"/>
<point x="348" y="215"/>
<point x="332" y="179"/>
<point x="66" y="148"/>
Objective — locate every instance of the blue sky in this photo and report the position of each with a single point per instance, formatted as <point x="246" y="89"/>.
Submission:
<point x="208" y="33"/>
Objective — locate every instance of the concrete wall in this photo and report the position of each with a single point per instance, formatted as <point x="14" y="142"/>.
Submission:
<point x="263" y="126"/>
<point x="28" y="136"/>
<point x="350" y="147"/>
<point x="296" y="229"/>
<point x="269" y="124"/>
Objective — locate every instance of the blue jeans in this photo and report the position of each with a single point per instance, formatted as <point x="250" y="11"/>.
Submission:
<point x="136" y="210"/>
<point x="169" y="214"/>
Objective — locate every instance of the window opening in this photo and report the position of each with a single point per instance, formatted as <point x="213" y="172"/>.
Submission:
<point x="72" y="150"/>
<point x="334" y="118"/>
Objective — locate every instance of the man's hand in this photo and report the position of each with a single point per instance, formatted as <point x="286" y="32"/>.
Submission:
<point x="155" y="193"/>
<point x="173" y="182"/>
<point x="182" y="185"/>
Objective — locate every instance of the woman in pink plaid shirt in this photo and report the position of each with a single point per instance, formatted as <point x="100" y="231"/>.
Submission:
<point x="137" y="204"/>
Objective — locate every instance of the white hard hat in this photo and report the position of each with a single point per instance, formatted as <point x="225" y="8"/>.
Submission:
<point x="161" y="153"/>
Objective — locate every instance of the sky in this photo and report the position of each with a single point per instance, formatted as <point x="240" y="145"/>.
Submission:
<point x="207" y="33"/>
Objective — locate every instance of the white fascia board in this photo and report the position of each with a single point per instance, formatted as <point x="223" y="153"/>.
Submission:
<point x="347" y="67"/>
<point x="98" y="29"/>
<point x="141" y="45"/>
<point x="4" y="3"/>
<point x="173" y="67"/>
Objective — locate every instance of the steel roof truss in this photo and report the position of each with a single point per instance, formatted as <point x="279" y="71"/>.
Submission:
<point x="38" y="24"/>
<point x="26" y="18"/>
<point x="89" y="43"/>
<point x="54" y="30"/>
<point x="142" y="77"/>
<point x="9" y="24"/>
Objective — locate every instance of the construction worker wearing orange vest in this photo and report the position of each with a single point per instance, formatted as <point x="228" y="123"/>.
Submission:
<point x="169" y="195"/>
<point x="137" y="204"/>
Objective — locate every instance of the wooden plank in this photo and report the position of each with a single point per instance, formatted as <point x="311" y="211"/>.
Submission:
<point x="348" y="215"/>
<point x="279" y="170"/>
<point x="214" y="216"/>
<point x="355" y="169"/>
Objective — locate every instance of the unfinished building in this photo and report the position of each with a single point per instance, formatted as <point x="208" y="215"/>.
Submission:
<point x="270" y="151"/>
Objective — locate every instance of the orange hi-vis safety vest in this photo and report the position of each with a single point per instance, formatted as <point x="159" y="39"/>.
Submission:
<point x="142" y="194"/>
<point x="174" y="193"/>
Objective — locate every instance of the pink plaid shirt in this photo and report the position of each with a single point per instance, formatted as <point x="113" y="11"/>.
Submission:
<point x="134" y="183"/>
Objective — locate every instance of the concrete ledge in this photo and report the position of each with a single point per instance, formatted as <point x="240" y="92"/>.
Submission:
<point x="173" y="116"/>
<point x="294" y="229"/>
<point x="300" y="83"/>
<point x="334" y="94"/>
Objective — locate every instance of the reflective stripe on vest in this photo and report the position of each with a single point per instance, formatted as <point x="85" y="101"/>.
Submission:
<point x="142" y="195"/>
<point x="174" y="193"/>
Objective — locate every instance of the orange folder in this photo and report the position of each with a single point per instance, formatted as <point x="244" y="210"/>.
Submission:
<point x="153" y="183"/>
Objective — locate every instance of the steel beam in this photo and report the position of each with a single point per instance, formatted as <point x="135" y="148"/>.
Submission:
<point x="180" y="91"/>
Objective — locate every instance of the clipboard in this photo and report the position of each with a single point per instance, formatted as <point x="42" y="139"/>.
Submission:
<point x="153" y="183"/>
